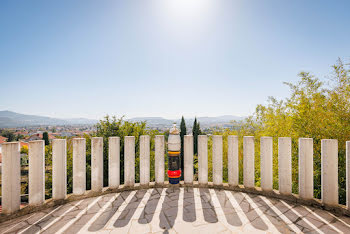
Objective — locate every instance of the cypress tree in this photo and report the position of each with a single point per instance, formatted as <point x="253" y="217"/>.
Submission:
<point x="195" y="136"/>
<point x="46" y="138"/>
<point x="199" y="132"/>
<point x="182" y="134"/>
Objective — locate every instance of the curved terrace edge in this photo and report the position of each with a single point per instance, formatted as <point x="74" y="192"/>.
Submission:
<point x="317" y="203"/>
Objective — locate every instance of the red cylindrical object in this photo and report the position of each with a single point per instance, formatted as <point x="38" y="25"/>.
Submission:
<point x="174" y="174"/>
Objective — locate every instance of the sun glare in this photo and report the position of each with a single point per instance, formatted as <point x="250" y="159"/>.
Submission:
<point x="184" y="18"/>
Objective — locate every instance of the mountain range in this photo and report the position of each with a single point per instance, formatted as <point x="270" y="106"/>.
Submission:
<point x="205" y="122"/>
<point x="9" y="119"/>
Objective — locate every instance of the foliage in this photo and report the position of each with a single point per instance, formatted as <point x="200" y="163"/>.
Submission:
<point x="315" y="109"/>
<point x="183" y="131"/>
<point x="48" y="174"/>
<point x="19" y="137"/>
<point x="9" y="135"/>
<point x="196" y="131"/>
<point x="24" y="149"/>
<point x="46" y="138"/>
<point x="118" y="127"/>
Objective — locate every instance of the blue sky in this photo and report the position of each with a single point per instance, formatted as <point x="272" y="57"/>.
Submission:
<point x="162" y="58"/>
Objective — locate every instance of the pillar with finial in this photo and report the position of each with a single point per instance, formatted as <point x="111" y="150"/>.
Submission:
<point x="174" y="147"/>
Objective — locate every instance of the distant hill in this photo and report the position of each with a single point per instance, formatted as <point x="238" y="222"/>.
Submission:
<point x="9" y="119"/>
<point x="218" y="119"/>
<point x="205" y="122"/>
<point x="152" y="120"/>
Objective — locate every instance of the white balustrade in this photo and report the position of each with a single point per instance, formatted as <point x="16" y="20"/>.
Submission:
<point x="11" y="186"/>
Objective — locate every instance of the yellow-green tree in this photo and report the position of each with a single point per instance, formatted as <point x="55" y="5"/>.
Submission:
<point x="315" y="109"/>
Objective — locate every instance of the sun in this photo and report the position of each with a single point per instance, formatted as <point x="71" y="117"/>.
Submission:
<point x="184" y="18"/>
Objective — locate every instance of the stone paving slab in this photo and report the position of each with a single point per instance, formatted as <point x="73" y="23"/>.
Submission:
<point x="179" y="210"/>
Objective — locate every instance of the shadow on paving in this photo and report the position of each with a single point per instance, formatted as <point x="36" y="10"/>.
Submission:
<point x="282" y="215"/>
<point x="102" y="220"/>
<point x="230" y="212"/>
<point x="189" y="207"/>
<point x="296" y="215"/>
<point x="169" y="210"/>
<point x="253" y="217"/>
<point x="51" y="221"/>
<point x="150" y="207"/>
<point x="130" y="209"/>
<point x="209" y="212"/>
<point x="279" y="224"/>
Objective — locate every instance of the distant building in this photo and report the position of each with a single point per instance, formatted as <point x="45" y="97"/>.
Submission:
<point x="24" y="133"/>
<point x="2" y="140"/>
<point x="67" y="134"/>
<point x="39" y="136"/>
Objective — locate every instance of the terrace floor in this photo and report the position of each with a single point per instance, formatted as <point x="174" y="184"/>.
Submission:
<point x="179" y="210"/>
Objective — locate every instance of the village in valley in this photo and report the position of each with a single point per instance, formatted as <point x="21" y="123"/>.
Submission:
<point x="26" y="134"/>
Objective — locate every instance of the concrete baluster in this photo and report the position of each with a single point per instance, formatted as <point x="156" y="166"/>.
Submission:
<point x="203" y="159"/>
<point x="113" y="162"/>
<point x="306" y="168"/>
<point x="11" y="178"/>
<point x="329" y="172"/>
<point x="248" y="162"/>
<point x="59" y="169"/>
<point x="159" y="159"/>
<point x="97" y="164"/>
<point x="36" y="178"/>
<point x="232" y="160"/>
<point x="285" y="165"/>
<point x="348" y="174"/>
<point x="217" y="159"/>
<point x="129" y="161"/>
<point x="188" y="159"/>
<point x="145" y="165"/>
<point x="79" y="166"/>
<point x="266" y="163"/>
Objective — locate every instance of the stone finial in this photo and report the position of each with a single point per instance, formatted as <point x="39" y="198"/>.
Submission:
<point x="174" y="130"/>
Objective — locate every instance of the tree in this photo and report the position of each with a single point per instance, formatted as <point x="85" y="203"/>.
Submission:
<point x="315" y="109"/>
<point x="182" y="134"/>
<point x="9" y="135"/>
<point x="195" y="136"/>
<point x="24" y="149"/>
<point x="46" y="138"/>
<point x="199" y="132"/>
<point x="118" y="127"/>
<point x="19" y="136"/>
